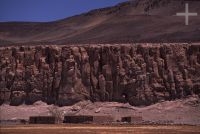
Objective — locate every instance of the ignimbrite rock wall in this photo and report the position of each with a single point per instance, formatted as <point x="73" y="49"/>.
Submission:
<point x="141" y="74"/>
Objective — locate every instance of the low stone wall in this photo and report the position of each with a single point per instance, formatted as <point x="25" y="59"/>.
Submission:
<point x="88" y="119"/>
<point x="78" y="119"/>
<point x="42" y="120"/>
<point x="103" y="119"/>
<point x="132" y="119"/>
<point x="13" y="122"/>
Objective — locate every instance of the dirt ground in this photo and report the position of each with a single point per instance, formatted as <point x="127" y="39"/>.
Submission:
<point x="99" y="129"/>
<point x="186" y="111"/>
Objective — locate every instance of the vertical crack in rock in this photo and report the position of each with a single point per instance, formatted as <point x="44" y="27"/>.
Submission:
<point x="141" y="74"/>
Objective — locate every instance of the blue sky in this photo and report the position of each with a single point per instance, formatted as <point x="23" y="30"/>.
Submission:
<point x="47" y="10"/>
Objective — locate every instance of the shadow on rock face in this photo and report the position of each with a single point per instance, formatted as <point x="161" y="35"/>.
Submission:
<point x="68" y="100"/>
<point x="18" y="98"/>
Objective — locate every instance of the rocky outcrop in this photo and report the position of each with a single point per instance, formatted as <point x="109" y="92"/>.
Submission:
<point x="141" y="74"/>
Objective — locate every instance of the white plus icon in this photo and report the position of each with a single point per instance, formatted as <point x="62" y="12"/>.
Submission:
<point x="187" y="14"/>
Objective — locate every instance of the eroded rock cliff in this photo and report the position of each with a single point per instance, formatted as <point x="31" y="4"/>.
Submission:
<point x="141" y="74"/>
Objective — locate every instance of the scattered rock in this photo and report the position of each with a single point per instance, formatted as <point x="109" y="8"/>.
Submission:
<point x="98" y="110"/>
<point x="39" y="103"/>
<point x="75" y="108"/>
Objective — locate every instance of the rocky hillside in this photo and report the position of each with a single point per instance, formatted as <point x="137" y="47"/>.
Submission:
<point x="136" y="21"/>
<point x="141" y="74"/>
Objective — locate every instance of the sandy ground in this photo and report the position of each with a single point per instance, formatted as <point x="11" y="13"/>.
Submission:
<point x="99" y="129"/>
<point x="185" y="111"/>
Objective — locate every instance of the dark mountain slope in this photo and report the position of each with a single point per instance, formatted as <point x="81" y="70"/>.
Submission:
<point x="136" y="21"/>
